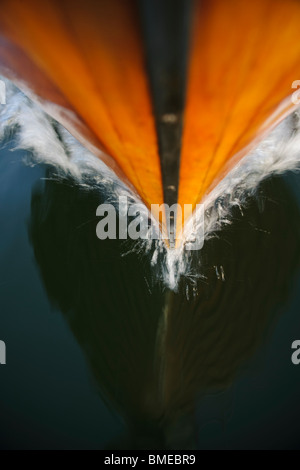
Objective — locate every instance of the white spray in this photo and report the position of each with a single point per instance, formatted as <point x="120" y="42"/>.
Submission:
<point x="51" y="143"/>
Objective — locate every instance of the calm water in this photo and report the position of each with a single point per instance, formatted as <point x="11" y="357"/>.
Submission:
<point x="80" y="323"/>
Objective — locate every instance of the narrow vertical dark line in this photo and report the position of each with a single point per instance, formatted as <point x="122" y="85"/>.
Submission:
<point x="166" y="27"/>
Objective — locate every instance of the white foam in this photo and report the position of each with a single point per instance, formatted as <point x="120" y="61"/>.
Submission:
<point x="49" y="142"/>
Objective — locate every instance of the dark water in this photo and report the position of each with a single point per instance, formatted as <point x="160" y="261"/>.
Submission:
<point x="85" y="365"/>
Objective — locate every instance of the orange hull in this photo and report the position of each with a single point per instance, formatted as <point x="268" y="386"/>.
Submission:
<point x="88" y="57"/>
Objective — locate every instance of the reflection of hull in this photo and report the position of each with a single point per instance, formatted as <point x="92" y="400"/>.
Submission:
<point x="152" y="353"/>
<point x="88" y="58"/>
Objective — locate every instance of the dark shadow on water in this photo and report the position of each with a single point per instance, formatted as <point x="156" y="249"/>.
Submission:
<point x="154" y="353"/>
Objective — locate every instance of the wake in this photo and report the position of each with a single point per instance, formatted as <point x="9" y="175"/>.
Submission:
<point x="48" y="142"/>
